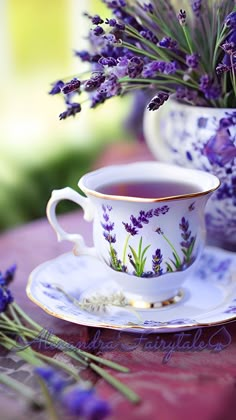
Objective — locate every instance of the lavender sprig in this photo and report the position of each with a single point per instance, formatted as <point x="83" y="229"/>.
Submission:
<point x="14" y="322"/>
<point x="155" y="47"/>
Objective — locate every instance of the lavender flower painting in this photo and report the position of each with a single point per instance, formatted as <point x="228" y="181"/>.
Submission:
<point x="134" y="259"/>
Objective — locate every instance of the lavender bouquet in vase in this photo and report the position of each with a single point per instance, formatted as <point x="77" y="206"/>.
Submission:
<point x="182" y="54"/>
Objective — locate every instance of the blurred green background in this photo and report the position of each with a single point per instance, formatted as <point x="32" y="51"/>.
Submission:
<point x="39" y="153"/>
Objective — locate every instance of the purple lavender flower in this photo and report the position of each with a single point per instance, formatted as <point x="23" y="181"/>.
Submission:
<point x="83" y="55"/>
<point x="186" y="94"/>
<point x="149" y="35"/>
<point x="97" y="99"/>
<point x="108" y="226"/>
<point x="167" y="42"/>
<point x="157" y="101"/>
<point x="96" y="20"/>
<point x="135" y="67"/>
<point x="192" y="60"/>
<point x="148" y="7"/>
<point x="72" y="109"/>
<point x="145" y="215"/>
<point x="5" y="298"/>
<point x="94" y="83"/>
<point x="113" y="4"/>
<point x="55" y="382"/>
<point x="222" y="68"/>
<point x="107" y="61"/>
<point x="130" y="229"/>
<point x="136" y="222"/>
<point x="156" y="262"/>
<point x="210" y="90"/>
<point x="161" y="210"/>
<point x="98" y="31"/>
<point x="56" y="88"/>
<point x="113" y="23"/>
<point x="8" y="276"/>
<point x="182" y="17"/>
<point x="229" y="47"/>
<point x="121" y="69"/>
<point x="188" y="241"/>
<point x="230" y="20"/>
<point x="85" y="403"/>
<point x="196" y="7"/>
<point x="71" y="86"/>
<point x="109" y="238"/>
<point x="111" y="87"/>
<point x="122" y="54"/>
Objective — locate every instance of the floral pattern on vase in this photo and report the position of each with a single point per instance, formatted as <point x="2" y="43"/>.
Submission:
<point x="134" y="257"/>
<point x="201" y="138"/>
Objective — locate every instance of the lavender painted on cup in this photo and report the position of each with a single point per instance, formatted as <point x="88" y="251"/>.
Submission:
<point x="136" y="257"/>
<point x="180" y="262"/>
<point x="108" y="228"/>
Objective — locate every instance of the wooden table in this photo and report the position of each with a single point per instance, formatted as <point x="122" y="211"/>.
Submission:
<point x="192" y="384"/>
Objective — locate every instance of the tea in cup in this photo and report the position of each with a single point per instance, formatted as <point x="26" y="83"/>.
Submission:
<point x="148" y="224"/>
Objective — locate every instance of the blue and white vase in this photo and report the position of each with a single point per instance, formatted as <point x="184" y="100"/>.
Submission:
<point x="202" y="138"/>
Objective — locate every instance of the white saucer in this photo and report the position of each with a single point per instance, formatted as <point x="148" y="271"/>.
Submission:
<point x="209" y="295"/>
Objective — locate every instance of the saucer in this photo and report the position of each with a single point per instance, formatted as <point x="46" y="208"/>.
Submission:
<point x="209" y="295"/>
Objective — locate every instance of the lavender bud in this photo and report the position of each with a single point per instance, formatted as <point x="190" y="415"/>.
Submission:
<point x="94" y="83"/>
<point x="107" y="61"/>
<point x="167" y="42"/>
<point x="148" y="7"/>
<point x="71" y="86"/>
<point x="157" y="101"/>
<point x="83" y="55"/>
<point x="230" y="20"/>
<point x="72" y="110"/>
<point x="135" y="67"/>
<point x="182" y="17"/>
<point x="56" y="88"/>
<point x="229" y="48"/>
<point x="192" y="61"/>
<point x="196" y="7"/>
<point x="98" y="31"/>
<point x="150" y="36"/>
<point x="222" y="68"/>
<point x="96" y="20"/>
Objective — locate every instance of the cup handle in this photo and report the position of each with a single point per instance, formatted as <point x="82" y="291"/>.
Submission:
<point x="69" y="194"/>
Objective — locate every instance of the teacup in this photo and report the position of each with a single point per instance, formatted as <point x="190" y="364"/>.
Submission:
<point x="148" y="225"/>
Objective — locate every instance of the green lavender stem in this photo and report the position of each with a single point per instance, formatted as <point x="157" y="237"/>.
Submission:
<point x="22" y="389"/>
<point x="48" y="400"/>
<point x="76" y="354"/>
<point x="125" y="249"/>
<point x="187" y="38"/>
<point x="127" y="392"/>
<point x="173" y="249"/>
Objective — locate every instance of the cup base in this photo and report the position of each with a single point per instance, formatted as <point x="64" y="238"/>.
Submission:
<point x="139" y="303"/>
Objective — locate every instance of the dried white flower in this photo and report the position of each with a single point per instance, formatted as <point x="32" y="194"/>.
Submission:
<point x="97" y="302"/>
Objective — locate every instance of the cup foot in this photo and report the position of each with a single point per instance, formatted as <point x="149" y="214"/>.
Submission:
<point x="139" y="303"/>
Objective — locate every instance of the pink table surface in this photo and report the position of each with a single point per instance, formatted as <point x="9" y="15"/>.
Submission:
<point x="192" y="384"/>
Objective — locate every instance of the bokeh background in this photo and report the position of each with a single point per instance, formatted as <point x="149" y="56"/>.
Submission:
<point x="39" y="153"/>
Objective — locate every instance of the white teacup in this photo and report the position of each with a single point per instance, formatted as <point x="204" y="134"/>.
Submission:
<point x="148" y="224"/>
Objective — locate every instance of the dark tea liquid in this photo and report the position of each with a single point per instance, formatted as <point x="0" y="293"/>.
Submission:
<point x="151" y="189"/>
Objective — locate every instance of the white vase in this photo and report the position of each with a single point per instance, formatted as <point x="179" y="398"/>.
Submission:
<point x="202" y="138"/>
